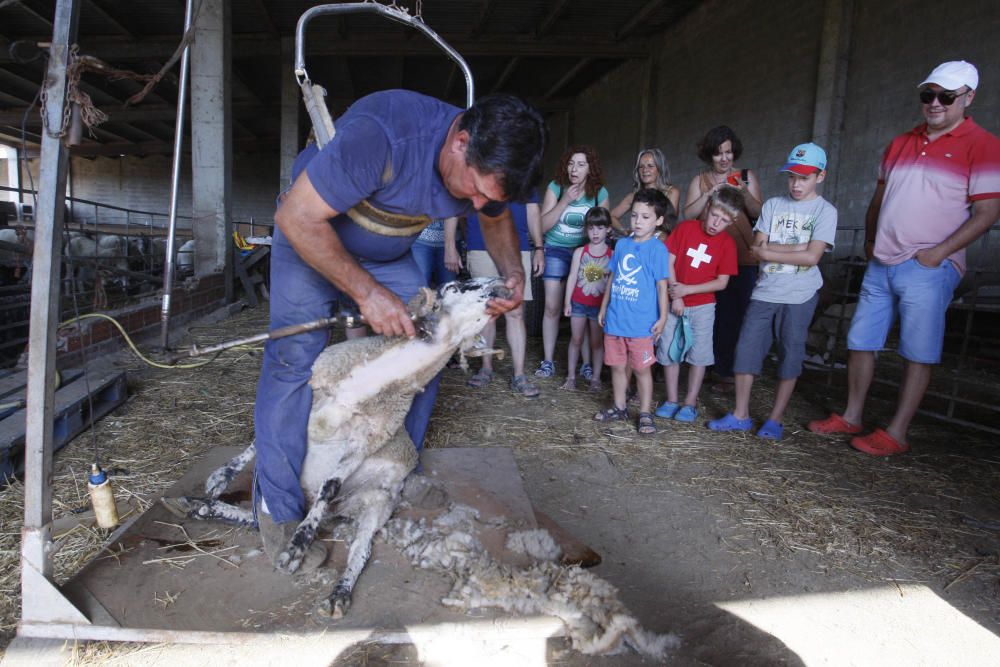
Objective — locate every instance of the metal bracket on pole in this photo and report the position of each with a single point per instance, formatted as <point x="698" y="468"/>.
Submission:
<point x="318" y="112"/>
<point x="314" y="98"/>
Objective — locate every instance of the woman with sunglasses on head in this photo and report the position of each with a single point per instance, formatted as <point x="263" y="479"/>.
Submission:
<point x="651" y="171"/>
<point x="719" y="150"/>
<point x="577" y="187"/>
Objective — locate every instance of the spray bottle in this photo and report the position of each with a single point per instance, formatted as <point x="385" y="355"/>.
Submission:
<point x="102" y="498"/>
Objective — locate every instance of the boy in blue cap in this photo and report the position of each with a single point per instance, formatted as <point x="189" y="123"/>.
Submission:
<point x="790" y="237"/>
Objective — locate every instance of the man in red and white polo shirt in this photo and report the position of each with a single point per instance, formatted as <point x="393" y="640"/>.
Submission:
<point x="938" y="191"/>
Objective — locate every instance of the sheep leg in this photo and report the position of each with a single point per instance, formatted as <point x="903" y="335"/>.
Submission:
<point x="374" y="515"/>
<point x="290" y="559"/>
<point x="220" y="479"/>
<point x="208" y="509"/>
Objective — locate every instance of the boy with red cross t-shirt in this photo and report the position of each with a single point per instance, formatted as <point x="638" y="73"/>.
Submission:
<point x="701" y="261"/>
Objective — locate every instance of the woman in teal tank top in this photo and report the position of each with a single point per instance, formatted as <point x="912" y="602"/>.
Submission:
<point x="578" y="186"/>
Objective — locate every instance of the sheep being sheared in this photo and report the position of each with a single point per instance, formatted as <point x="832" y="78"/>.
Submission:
<point x="358" y="454"/>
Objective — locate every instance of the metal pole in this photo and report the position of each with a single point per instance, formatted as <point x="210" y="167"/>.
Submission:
<point x="41" y="600"/>
<point x="175" y="179"/>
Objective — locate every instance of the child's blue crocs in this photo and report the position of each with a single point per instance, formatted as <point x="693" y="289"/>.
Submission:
<point x="730" y="423"/>
<point x="667" y="410"/>
<point x="687" y="414"/>
<point x="771" y="430"/>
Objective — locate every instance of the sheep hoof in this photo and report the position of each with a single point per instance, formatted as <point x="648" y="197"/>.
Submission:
<point x="335" y="606"/>
<point x="285" y="563"/>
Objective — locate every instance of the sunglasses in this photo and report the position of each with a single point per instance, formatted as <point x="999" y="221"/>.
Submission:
<point x="945" y="97"/>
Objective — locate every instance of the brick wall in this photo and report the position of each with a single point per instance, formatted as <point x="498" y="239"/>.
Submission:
<point x="189" y="301"/>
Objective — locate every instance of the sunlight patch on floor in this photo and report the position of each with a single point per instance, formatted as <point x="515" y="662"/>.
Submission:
<point x="906" y="625"/>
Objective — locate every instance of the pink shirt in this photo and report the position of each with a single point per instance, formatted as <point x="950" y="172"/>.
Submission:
<point x="930" y="187"/>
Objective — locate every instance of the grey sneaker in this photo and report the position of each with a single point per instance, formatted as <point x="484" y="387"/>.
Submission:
<point x="276" y="536"/>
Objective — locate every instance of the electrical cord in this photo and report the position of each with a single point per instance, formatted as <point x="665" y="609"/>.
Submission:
<point x="135" y="350"/>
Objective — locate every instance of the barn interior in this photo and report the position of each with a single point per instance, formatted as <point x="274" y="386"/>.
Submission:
<point x="754" y="555"/>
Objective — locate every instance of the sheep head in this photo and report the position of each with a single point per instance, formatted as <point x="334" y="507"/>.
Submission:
<point x="457" y="311"/>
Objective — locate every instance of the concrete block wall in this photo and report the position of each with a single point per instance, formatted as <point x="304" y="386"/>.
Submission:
<point x="143" y="183"/>
<point x="753" y="66"/>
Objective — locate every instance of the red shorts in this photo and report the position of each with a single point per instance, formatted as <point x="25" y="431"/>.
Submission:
<point x="637" y="352"/>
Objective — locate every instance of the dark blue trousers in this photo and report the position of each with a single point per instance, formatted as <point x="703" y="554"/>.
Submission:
<point x="281" y="415"/>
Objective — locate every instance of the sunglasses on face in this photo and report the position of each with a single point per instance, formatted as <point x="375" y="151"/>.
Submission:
<point x="945" y="97"/>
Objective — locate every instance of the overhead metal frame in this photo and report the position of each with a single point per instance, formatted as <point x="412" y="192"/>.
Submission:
<point x="313" y="94"/>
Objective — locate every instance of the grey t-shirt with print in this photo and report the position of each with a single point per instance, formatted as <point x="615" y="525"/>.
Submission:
<point x="786" y="221"/>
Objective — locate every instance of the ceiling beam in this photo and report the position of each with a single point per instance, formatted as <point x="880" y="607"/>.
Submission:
<point x="637" y="19"/>
<point x="28" y="10"/>
<point x="483" y="19"/>
<point x="452" y="75"/>
<point x="255" y="145"/>
<point x="505" y="74"/>
<point x="268" y="21"/>
<point x="107" y="16"/>
<point x="142" y="113"/>
<point x="550" y="19"/>
<point x="389" y="44"/>
<point x="568" y="76"/>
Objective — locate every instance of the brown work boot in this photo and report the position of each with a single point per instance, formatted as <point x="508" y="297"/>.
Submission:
<point x="276" y="536"/>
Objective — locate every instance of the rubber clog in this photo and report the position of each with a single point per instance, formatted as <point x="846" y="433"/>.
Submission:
<point x="730" y="423"/>
<point x="833" y="424"/>
<point x="879" y="443"/>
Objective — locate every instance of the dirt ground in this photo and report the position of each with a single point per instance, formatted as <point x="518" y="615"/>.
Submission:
<point x="704" y="534"/>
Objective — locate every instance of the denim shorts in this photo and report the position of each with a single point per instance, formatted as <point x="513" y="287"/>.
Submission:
<point x="580" y="310"/>
<point x="763" y="319"/>
<point x="920" y="295"/>
<point x="557" y="262"/>
<point x="702" y="319"/>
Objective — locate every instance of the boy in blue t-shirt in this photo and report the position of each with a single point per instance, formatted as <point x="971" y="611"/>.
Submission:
<point x="790" y="237"/>
<point x="634" y="310"/>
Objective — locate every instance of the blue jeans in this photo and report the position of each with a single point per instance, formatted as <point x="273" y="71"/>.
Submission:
<point x="284" y="397"/>
<point x="430" y="259"/>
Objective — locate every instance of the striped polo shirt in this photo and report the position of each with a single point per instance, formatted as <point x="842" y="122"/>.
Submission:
<point x="930" y="187"/>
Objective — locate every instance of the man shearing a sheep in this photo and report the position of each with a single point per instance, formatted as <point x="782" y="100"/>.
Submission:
<point x="398" y="160"/>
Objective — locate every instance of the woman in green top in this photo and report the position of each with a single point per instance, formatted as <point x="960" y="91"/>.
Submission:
<point x="577" y="187"/>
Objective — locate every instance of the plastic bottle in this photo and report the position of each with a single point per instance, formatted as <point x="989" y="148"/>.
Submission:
<point x="102" y="498"/>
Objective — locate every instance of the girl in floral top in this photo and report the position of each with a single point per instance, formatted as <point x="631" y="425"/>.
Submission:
<point x="588" y="277"/>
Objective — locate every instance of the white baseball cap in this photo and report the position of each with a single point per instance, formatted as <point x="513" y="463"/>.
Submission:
<point x="954" y="74"/>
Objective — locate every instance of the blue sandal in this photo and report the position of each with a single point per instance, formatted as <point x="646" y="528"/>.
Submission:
<point x="730" y="423"/>
<point x="771" y="430"/>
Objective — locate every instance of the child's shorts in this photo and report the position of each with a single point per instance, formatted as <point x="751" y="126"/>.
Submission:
<point x="636" y="352"/>
<point x="702" y="319"/>
<point x="580" y="310"/>
<point x="557" y="262"/>
<point x="762" y="320"/>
